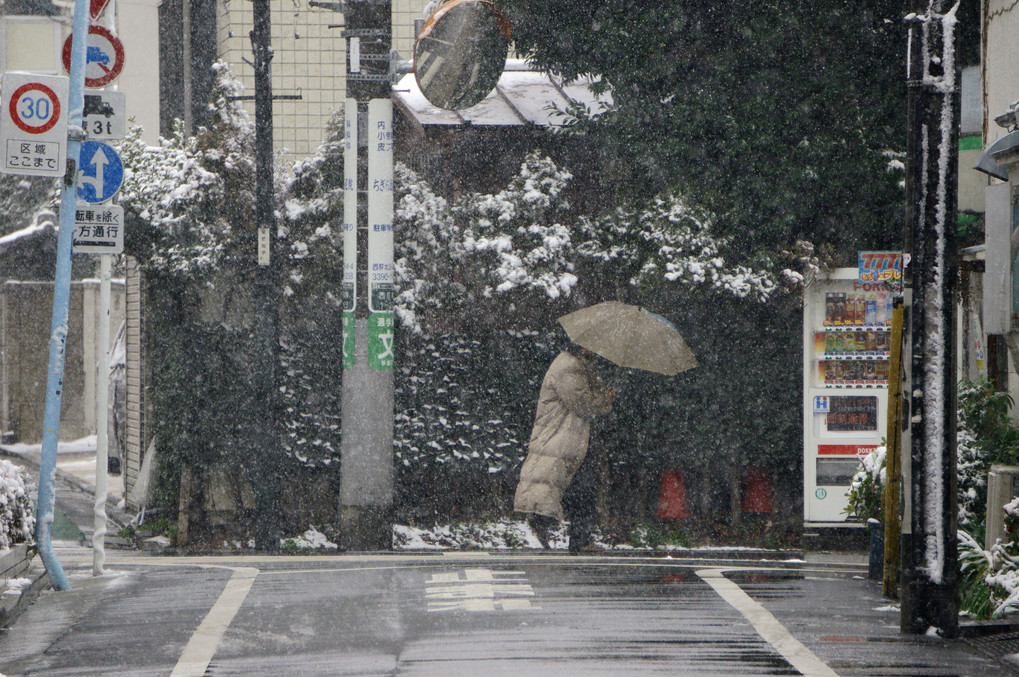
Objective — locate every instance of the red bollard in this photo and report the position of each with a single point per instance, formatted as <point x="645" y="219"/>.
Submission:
<point x="672" y="495"/>
<point x="757" y="496"/>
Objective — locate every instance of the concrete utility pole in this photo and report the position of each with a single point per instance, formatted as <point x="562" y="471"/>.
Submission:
<point x="930" y="563"/>
<point x="267" y="454"/>
<point x="366" y="488"/>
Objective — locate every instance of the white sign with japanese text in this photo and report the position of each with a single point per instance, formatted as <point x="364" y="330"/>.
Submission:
<point x="98" y="229"/>
<point x="33" y="124"/>
<point x="349" y="205"/>
<point x="380" y="205"/>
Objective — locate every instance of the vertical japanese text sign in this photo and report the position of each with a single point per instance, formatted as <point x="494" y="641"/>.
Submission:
<point x="380" y="233"/>
<point x="33" y="124"/>
<point x="349" y="229"/>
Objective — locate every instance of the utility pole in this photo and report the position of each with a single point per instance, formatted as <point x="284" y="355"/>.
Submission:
<point x="366" y="488"/>
<point x="267" y="454"/>
<point x="930" y="563"/>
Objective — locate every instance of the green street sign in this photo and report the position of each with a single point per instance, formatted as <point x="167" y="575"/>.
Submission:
<point x="380" y="341"/>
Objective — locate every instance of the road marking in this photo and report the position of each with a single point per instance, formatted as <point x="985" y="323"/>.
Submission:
<point x="197" y="655"/>
<point x="478" y="590"/>
<point x="766" y="625"/>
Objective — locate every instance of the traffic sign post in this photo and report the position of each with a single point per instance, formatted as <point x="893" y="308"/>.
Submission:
<point x="104" y="58"/>
<point x="33" y="124"/>
<point x="100" y="172"/>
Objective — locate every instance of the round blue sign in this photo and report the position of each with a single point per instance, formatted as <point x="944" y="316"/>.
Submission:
<point x="100" y="172"/>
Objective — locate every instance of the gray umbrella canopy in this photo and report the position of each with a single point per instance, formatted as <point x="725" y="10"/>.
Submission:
<point x="630" y="337"/>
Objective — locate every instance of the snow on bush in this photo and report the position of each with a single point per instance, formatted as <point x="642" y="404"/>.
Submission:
<point x="866" y="490"/>
<point x="17" y="519"/>
<point x="669" y="239"/>
<point x="185" y="196"/>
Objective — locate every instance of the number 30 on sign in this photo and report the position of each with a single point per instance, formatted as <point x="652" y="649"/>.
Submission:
<point x="33" y="124"/>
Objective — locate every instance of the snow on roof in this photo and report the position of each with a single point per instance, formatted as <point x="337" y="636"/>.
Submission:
<point x="27" y="232"/>
<point x="522" y="96"/>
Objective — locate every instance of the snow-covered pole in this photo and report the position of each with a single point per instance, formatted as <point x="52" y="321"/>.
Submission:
<point x="61" y="300"/>
<point x="930" y="572"/>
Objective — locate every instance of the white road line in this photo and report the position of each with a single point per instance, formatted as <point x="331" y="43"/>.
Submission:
<point x="197" y="655"/>
<point x="766" y="625"/>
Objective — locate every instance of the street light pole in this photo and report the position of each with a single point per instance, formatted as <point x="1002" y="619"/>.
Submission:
<point x="930" y="572"/>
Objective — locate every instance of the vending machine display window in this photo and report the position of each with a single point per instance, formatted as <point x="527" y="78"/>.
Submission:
<point x="837" y="472"/>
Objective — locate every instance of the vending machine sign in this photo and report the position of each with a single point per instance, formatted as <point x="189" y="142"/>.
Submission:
<point x="880" y="267"/>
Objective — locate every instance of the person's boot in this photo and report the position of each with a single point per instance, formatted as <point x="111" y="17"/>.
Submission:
<point x="539" y="525"/>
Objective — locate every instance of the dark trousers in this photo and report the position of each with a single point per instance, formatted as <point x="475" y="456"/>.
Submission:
<point x="579" y="501"/>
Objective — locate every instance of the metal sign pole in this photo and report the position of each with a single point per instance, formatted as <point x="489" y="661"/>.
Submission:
<point x="102" y="415"/>
<point x="61" y="299"/>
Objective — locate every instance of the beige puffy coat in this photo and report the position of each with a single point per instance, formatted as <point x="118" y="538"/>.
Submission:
<point x="571" y="394"/>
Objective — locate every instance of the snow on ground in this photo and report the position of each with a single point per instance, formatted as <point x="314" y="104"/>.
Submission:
<point x="311" y="539"/>
<point x="502" y="535"/>
<point x="15" y="585"/>
<point x="84" y="445"/>
<point x="508" y="534"/>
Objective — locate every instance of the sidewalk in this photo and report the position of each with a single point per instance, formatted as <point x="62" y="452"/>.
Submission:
<point x="74" y="519"/>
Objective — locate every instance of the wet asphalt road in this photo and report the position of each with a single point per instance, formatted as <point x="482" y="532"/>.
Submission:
<point x="482" y="615"/>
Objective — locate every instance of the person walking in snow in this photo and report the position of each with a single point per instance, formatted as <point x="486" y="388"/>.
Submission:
<point x="557" y="469"/>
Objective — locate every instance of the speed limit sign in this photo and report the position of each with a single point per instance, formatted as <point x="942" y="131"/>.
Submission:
<point x="33" y="124"/>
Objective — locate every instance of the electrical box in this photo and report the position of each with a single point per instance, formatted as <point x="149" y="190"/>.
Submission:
<point x="846" y="346"/>
<point x="1002" y="487"/>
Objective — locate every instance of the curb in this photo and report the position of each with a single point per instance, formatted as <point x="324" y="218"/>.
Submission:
<point x="19" y="562"/>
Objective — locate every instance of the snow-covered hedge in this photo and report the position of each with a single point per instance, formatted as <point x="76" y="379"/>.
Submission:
<point x="867" y="489"/>
<point x="17" y="518"/>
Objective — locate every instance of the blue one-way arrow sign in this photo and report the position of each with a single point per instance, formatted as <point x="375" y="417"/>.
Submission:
<point x="100" y="174"/>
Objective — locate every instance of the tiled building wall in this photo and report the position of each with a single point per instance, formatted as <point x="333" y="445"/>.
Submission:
<point x="310" y="60"/>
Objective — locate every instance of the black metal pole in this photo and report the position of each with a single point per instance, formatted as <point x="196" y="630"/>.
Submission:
<point x="267" y="452"/>
<point x="930" y="572"/>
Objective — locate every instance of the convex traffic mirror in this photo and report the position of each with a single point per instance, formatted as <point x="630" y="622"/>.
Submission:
<point x="461" y="52"/>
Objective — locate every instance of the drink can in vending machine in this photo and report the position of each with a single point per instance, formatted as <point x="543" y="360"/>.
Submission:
<point x="830" y="299"/>
<point x="870" y="314"/>
<point x="884" y="342"/>
<point x="871" y="345"/>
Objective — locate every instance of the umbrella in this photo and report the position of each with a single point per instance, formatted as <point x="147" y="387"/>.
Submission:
<point x="630" y="337"/>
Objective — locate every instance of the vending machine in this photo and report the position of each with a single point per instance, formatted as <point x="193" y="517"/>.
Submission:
<point x="846" y="340"/>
